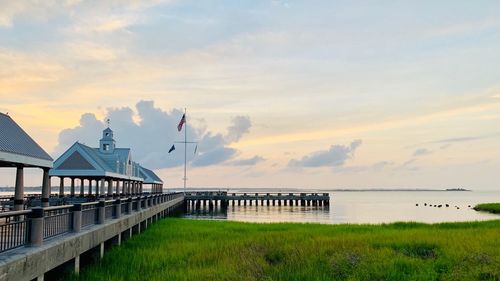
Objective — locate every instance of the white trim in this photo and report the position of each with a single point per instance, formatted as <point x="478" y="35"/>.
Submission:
<point x="76" y="147"/>
<point x="90" y="173"/>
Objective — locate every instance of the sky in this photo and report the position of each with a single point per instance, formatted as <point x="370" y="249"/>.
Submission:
<point x="298" y="94"/>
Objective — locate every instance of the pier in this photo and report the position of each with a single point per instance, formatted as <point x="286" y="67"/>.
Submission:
<point x="41" y="242"/>
<point x="43" y="236"/>
<point x="224" y="199"/>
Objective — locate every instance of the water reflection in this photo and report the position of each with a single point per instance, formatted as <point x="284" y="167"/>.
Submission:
<point x="261" y="213"/>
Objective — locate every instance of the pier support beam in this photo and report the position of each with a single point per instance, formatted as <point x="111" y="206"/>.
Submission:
<point x="97" y="188"/>
<point x="19" y="191"/>
<point x="101" y="252"/>
<point x="90" y="188"/>
<point x="102" y="189"/>
<point x="118" y="192"/>
<point x="82" y="187"/>
<point x="45" y="188"/>
<point x="72" y="190"/>
<point x="61" y="187"/>
<point x="110" y="188"/>
<point x="77" y="265"/>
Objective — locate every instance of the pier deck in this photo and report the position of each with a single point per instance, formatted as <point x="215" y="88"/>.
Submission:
<point x="224" y="199"/>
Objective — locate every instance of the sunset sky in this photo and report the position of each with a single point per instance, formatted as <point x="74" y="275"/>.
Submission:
<point x="301" y="94"/>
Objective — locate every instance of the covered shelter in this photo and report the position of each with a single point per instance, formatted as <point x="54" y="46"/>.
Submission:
<point x="19" y="150"/>
<point x="151" y="178"/>
<point x="108" y="170"/>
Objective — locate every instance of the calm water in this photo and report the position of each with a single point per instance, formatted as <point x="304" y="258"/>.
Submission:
<point x="367" y="207"/>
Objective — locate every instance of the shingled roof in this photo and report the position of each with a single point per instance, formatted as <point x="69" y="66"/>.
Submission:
<point x="17" y="147"/>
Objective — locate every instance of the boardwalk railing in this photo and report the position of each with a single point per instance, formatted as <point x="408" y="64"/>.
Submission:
<point x="14" y="229"/>
<point x="33" y="226"/>
<point x="57" y="220"/>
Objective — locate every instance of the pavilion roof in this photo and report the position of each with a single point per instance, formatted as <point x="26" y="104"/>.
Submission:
<point x="17" y="147"/>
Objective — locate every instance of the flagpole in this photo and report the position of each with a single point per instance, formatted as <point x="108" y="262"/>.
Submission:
<point x="185" y="149"/>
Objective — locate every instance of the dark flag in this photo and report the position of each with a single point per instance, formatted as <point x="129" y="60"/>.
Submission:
<point x="195" y="148"/>
<point x="172" y="148"/>
<point x="183" y="120"/>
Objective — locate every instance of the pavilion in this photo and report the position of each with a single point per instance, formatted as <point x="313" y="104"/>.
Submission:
<point x="19" y="150"/>
<point x="107" y="168"/>
<point x="151" y="178"/>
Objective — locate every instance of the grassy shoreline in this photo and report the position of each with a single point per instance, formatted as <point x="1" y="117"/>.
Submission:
<point x="181" y="249"/>
<point x="488" y="207"/>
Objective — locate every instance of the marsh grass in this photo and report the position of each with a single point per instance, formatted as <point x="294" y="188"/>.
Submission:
<point x="181" y="249"/>
<point x="488" y="207"/>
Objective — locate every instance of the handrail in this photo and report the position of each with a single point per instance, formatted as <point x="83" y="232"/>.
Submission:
<point x="90" y="203"/>
<point x="53" y="208"/>
<point x="14" y="213"/>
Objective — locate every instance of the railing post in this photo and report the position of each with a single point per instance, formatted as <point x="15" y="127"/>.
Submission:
<point x="101" y="209"/>
<point x="118" y="206"/>
<point x="129" y="202"/>
<point x="36" y="233"/>
<point x="77" y="217"/>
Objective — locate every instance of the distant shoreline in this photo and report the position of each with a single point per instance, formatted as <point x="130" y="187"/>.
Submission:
<point x="322" y="190"/>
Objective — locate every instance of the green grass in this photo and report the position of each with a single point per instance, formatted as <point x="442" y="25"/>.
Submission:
<point x="181" y="249"/>
<point x="488" y="207"/>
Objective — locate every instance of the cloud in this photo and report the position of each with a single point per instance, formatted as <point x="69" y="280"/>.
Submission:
<point x="337" y="155"/>
<point x="421" y="152"/>
<point x="376" y="167"/>
<point x="466" y="27"/>
<point x="248" y="162"/>
<point x="20" y="72"/>
<point x="90" y="12"/>
<point x="241" y="125"/>
<point x="461" y="139"/>
<point x="93" y="52"/>
<point x="29" y="9"/>
<point x="445" y="146"/>
<point x="214" y="156"/>
<point x="381" y="165"/>
<point x="152" y="136"/>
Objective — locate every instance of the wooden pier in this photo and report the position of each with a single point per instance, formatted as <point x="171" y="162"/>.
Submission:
<point x="225" y="199"/>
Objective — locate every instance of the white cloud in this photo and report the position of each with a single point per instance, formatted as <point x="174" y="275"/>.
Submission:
<point x="82" y="50"/>
<point x="248" y="161"/>
<point x="151" y="137"/>
<point x="337" y="155"/>
<point x="421" y="152"/>
<point x="241" y="125"/>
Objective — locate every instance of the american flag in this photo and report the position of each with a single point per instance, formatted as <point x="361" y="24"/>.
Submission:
<point x="183" y="120"/>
